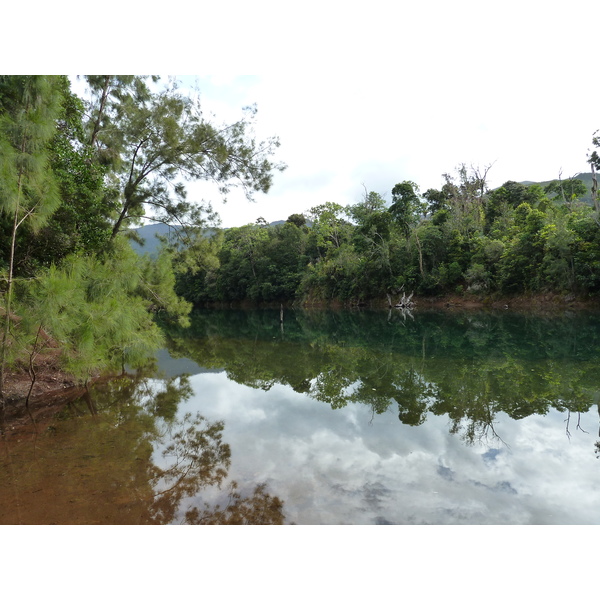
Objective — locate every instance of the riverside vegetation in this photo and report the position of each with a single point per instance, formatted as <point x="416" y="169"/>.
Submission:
<point x="77" y="175"/>
<point x="463" y="239"/>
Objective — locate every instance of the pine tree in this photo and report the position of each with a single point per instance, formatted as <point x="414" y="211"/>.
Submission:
<point x="92" y="308"/>
<point x="29" y="107"/>
<point x="156" y="141"/>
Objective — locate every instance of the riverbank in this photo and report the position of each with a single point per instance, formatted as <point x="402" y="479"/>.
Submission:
<point x="549" y="302"/>
<point x="539" y="302"/>
<point x="54" y="388"/>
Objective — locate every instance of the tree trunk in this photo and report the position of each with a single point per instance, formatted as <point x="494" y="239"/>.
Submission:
<point x="420" y="255"/>
<point x="9" y="289"/>
<point x="100" y="110"/>
<point x="595" y="190"/>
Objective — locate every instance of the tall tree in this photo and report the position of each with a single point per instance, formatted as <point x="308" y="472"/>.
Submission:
<point x="157" y="141"/>
<point x="28" y="192"/>
<point x="82" y="222"/>
<point x="568" y="190"/>
<point x="406" y="205"/>
<point x="329" y="229"/>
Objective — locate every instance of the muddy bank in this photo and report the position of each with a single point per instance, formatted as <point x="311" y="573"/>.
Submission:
<point x="535" y="303"/>
<point x="52" y="390"/>
<point x="546" y="303"/>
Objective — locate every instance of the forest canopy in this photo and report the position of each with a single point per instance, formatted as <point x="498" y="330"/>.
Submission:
<point x="463" y="238"/>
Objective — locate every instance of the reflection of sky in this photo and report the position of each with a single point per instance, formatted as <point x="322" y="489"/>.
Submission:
<point x="347" y="466"/>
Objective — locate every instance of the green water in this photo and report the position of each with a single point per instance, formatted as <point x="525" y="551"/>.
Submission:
<point x="369" y="417"/>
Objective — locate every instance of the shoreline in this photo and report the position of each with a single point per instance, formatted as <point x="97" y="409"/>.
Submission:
<point x="54" y="389"/>
<point x="549" y="302"/>
<point x="540" y="302"/>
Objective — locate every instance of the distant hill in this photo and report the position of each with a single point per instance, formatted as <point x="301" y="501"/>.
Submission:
<point x="148" y="233"/>
<point x="585" y="177"/>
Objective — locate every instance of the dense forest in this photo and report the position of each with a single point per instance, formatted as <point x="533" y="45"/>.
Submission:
<point x="462" y="239"/>
<point x="78" y="175"/>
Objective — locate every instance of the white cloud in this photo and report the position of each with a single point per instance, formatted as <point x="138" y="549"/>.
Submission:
<point x="340" y="131"/>
<point x="343" y="466"/>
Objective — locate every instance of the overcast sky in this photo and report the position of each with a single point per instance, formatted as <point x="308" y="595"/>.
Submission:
<point x="340" y="132"/>
<point x="374" y="96"/>
<point x="368" y="94"/>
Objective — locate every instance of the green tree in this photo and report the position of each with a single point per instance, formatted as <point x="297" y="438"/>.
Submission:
<point x="519" y="266"/>
<point x="81" y="223"/>
<point x="466" y="196"/>
<point x="157" y="141"/>
<point x="500" y="203"/>
<point x="436" y="199"/>
<point x="567" y="191"/>
<point x="329" y="228"/>
<point x="157" y="285"/>
<point x="297" y="219"/>
<point x="406" y="206"/>
<point x="98" y="309"/>
<point x="242" y="262"/>
<point x="372" y="242"/>
<point x="28" y="191"/>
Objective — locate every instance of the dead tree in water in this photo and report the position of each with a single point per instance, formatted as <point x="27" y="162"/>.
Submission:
<point x="405" y="302"/>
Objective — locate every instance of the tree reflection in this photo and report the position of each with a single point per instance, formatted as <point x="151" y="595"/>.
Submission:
<point x="123" y="453"/>
<point x="193" y="457"/>
<point x="258" y="509"/>
<point x="468" y="366"/>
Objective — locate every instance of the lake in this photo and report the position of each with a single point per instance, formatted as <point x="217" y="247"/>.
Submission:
<point x="331" y="417"/>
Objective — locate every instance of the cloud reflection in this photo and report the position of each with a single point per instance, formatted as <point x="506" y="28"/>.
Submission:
<point x="342" y="466"/>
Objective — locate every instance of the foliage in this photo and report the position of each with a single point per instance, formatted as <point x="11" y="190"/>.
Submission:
<point x="92" y="307"/>
<point x="511" y="240"/>
<point x="156" y="141"/>
<point x="73" y="173"/>
<point x="28" y="191"/>
<point x="406" y="206"/>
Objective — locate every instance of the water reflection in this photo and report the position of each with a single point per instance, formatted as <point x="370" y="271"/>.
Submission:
<point x="469" y="367"/>
<point x="124" y="454"/>
<point x="361" y="417"/>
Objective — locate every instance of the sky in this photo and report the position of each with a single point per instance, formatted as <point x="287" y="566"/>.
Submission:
<point x="341" y="133"/>
<point x="368" y="96"/>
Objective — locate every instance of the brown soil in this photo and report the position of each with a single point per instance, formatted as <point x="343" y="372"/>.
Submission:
<point x="541" y="303"/>
<point x="51" y="391"/>
<point x="535" y="303"/>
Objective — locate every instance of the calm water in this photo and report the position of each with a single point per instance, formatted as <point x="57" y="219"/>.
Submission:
<point x="335" y="418"/>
